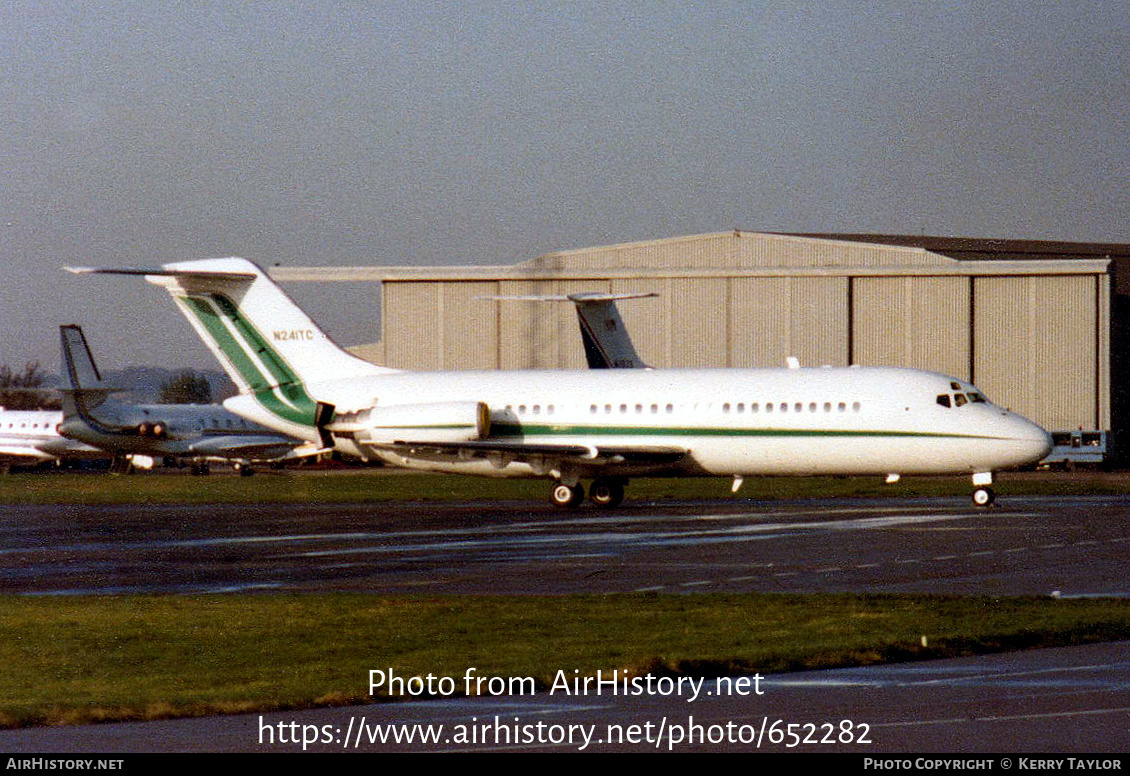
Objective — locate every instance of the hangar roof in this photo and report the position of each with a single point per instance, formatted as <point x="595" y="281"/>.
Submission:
<point x="981" y="249"/>
<point x="761" y="253"/>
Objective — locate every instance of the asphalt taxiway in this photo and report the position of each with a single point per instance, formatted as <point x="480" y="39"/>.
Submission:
<point x="1027" y="545"/>
<point x="1061" y="700"/>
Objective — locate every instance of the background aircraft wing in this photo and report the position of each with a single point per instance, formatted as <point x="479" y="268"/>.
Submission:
<point x="25" y="454"/>
<point x="251" y="447"/>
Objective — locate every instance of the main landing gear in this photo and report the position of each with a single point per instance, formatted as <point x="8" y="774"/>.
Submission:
<point x="605" y="492"/>
<point x="567" y="496"/>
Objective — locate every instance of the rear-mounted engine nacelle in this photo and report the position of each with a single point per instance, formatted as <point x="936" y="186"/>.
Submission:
<point x="458" y="421"/>
<point x="157" y="430"/>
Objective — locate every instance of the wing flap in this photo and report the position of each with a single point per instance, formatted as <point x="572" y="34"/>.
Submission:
<point x="252" y="447"/>
<point x="586" y="455"/>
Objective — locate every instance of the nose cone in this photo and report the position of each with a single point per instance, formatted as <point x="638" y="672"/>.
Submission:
<point x="1029" y="442"/>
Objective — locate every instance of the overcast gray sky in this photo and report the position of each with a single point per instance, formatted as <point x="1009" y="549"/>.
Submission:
<point x="414" y="133"/>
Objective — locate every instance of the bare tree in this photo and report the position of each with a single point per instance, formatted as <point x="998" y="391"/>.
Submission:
<point x="186" y="387"/>
<point x="28" y="389"/>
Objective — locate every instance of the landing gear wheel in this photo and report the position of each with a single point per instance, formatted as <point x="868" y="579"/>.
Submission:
<point x="606" y="493"/>
<point x="983" y="497"/>
<point x="567" y="496"/>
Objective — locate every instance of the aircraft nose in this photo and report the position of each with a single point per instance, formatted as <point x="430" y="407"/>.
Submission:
<point x="1043" y="442"/>
<point x="1034" y="441"/>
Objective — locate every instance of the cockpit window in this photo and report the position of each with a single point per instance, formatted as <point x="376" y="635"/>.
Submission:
<point x="977" y="398"/>
<point x="959" y="399"/>
<point x="944" y="399"/>
<point x="955" y="386"/>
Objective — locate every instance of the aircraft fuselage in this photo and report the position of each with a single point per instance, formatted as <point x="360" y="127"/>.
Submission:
<point x="853" y="420"/>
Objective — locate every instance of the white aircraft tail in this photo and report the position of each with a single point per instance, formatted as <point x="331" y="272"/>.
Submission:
<point x="268" y="346"/>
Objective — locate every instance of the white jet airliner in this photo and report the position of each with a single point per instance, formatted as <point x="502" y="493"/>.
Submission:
<point x="30" y="437"/>
<point x="605" y="424"/>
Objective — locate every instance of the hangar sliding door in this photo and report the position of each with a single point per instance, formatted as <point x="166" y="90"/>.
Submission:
<point x="1036" y="347"/>
<point x="917" y="322"/>
<point x="772" y="318"/>
<point x="438" y="325"/>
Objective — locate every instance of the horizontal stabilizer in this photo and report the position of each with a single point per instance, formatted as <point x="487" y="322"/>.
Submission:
<point x="162" y="272"/>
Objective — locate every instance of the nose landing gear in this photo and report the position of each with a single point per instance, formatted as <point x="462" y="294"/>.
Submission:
<point x="983" y="495"/>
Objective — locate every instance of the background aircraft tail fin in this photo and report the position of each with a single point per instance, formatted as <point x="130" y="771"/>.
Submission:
<point x="606" y="340"/>
<point x="607" y="343"/>
<point x="84" y="388"/>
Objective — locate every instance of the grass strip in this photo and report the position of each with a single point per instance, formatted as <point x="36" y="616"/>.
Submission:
<point x="90" y="659"/>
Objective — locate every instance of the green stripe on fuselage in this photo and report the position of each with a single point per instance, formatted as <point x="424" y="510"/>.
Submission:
<point x="521" y="430"/>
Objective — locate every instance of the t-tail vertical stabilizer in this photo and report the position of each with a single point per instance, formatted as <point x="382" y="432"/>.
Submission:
<point x="85" y="388"/>
<point x="268" y="346"/>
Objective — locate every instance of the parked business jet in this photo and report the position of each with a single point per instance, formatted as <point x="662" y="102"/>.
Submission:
<point x="606" y="424"/>
<point x="141" y="433"/>
<point x="29" y="437"/>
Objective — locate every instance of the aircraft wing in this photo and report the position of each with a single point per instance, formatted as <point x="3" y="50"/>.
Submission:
<point x="502" y="452"/>
<point x="24" y="453"/>
<point x="251" y="447"/>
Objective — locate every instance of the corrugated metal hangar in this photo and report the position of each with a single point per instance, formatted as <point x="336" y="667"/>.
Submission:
<point x="1029" y="323"/>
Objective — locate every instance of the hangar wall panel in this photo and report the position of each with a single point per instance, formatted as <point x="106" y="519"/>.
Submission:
<point x="470" y="325"/>
<point x="437" y="326"/>
<point x="1036" y="349"/>
<point x="698" y="323"/>
<point x="820" y="320"/>
<point x="761" y="321"/>
<point x="1064" y="358"/>
<point x="919" y="322"/>
<point x="411" y="331"/>
<point x="774" y="318"/>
